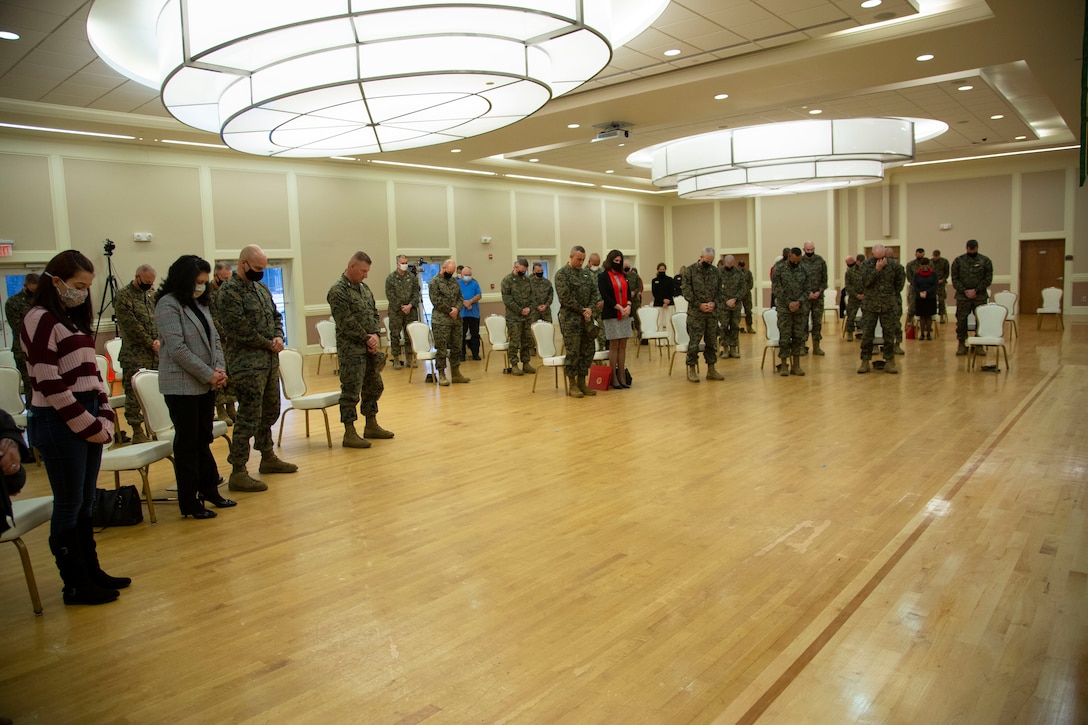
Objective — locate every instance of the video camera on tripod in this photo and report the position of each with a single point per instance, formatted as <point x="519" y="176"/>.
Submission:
<point x="109" y="292"/>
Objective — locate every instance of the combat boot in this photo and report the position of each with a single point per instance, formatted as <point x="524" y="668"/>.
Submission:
<point x="139" y="437"/>
<point x="693" y="374"/>
<point x="443" y="380"/>
<point x="784" y="368"/>
<point x="352" y="439"/>
<point x="573" y="389"/>
<point x="736" y="352"/>
<point x="515" y="369"/>
<point x="373" y="430"/>
<point x="804" y="351"/>
<point x="898" y="350"/>
<point x="962" y="349"/>
<point x="713" y="374"/>
<point x="397" y="364"/>
<point x="457" y="377"/>
<point x="528" y="369"/>
<point x="586" y="390"/>
<point x="816" y="350"/>
<point x="864" y="367"/>
<point x="889" y="367"/>
<point x="232" y="412"/>
<point x="270" y="463"/>
<point x="796" y="369"/>
<point x="240" y="480"/>
<point x="221" y="414"/>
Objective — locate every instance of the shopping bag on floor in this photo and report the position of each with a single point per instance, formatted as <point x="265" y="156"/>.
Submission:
<point x="599" y="377"/>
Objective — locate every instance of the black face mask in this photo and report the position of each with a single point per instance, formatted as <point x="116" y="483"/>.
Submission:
<point x="144" y="286"/>
<point x="972" y="255"/>
<point x="519" y="272"/>
<point x="254" y="276"/>
<point x="447" y="275"/>
<point x="617" y="266"/>
<point x="849" y="265"/>
<point x="810" y="255"/>
<point x="538" y="275"/>
<point x="662" y="273"/>
<point x="706" y="265"/>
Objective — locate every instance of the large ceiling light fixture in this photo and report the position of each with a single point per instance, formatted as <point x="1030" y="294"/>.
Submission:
<point x="785" y="158"/>
<point x="342" y="77"/>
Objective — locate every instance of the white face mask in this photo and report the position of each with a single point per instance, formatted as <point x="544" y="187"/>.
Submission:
<point x="403" y="267"/>
<point x="199" y="290"/>
<point x="466" y="277"/>
<point x="595" y="267"/>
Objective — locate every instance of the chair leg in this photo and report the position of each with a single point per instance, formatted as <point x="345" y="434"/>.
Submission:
<point x="283" y="417"/>
<point x="410" y="369"/>
<point x="319" y="362"/>
<point x="147" y="495"/>
<point x="307" y="413"/>
<point x="638" y="346"/>
<point x="487" y="360"/>
<point x="672" y="361"/>
<point x="28" y="572"/>
<point x="534" y="378"/>
<point x="1004" y="350"/>
<point x="557" y="379"/>
<point x="763" y="362"/>
<point x="328" y="431"/>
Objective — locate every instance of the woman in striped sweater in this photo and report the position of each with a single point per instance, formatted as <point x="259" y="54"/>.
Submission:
<point x="69" y="420"/>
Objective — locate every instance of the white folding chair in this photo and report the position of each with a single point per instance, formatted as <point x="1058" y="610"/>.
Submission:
<point x="157" y="415"/>
<point x="28" y="514"/>
<point x="991" y="330"/>
<point x="831" y="301"/>
<point x="1052" y="305"/>
<point x="7" y="358"/>
<point x="679" y="322"/>
<point x="770" y="329"/>
<point x="117" y="402"/>
<point x="1008" y="300"/>
<point x="497" y="339"/>
<point x="326" y="334"/>
<point x="137" y="457"/>
<point x="113" y="350"/>
<point x="423" y="348"/>
<point x="649" y="320"/>
<point x="294" y="389"/>
<point x="544" y="335"/>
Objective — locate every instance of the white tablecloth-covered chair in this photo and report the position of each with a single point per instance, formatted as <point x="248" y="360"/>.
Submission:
<point x="294" y="389"/>
<point x="650" y="321"/>
<point x="423" y="348"/>
<point x="1008" y="300"/>
<point x="1052" y="305"/>
<point x="770" y="329"/>
<point x="831" y="301"/>
<point x="544" y="335"/>
<point x="326" y="333"/>
<point x="497" y="339"/>
<point x="991" y="330"/>
<point x="29" y="514"/>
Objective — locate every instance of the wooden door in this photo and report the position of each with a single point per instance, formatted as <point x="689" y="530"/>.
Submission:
<point x="1041" y="265"/>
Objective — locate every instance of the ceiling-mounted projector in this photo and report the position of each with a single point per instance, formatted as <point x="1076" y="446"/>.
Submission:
<point x="612" y="131"/>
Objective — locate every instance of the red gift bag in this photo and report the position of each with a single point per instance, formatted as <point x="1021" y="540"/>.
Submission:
<point x="599" y="377"/>
<point x="910" y="332"/>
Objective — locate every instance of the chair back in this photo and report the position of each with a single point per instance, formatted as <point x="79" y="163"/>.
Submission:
<point x="326" y="334"/>
<point x="10" y="399"/>
<point x="496" y="329"/>
<point x="770" y="324"/>
<point x="7" y="359"/>
<point x="152" y="402"/>
<point x="679" y="304"/>
<point x="421" y="337"/>
<point x="113" y="349"/>
<point x="831" y="299"/>
<point x="1052" y="299"/>
<point x="544" y="334"/>
<point x="650" y="319"/>
<point x="294" y="384"/>
<point x="1007" y="300"/>
<point x="991" y="320"/>
<point x="679" y="322"/>
<point x="103" y="369"/>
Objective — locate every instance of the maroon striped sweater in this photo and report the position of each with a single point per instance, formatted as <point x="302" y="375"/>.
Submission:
<point x="62" y="362"/>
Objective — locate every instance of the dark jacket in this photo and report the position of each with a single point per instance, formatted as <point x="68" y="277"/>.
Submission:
<point x="608" y="294"/>
<point x="11" y="484"/>
<point x="663" y="288"/>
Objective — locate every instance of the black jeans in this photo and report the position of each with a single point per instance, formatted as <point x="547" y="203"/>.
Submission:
<point x="471" y="338"/>
<point x="194" y="465"/>
<point x="71" y="462"/>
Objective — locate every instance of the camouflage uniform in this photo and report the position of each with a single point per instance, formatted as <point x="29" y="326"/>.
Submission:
<point x="223" y="396"/>
<point x="791" y="284"/>
<point x="943" y="269"/>
<point x="15" y="310"/>
<point x="577" y="289"/>
<point x="882" y="294"/>
<point x="912" y="267"/>
<point x="136" y="324"/>
<point x="517" y="294"/>
<point x="816" y="268"/>
<point x="746" y="301"/>
<point x="445" y="295"/>
<point x="252" y="321"/>
<point x="543" y="294"/>
<point x="602" y="340"/>
<point x="733" y="288"/>
<point x="968" y="273"/>
<point x="356" y="317"/>
<point x="635" y="285"/>
<point x="701" y="284"/>
<point x="401" y="289"/>
<point x="852" y="282"/>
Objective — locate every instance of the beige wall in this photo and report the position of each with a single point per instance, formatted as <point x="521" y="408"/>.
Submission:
<point x="26" y="204"/>
<point x="976" y="208"/>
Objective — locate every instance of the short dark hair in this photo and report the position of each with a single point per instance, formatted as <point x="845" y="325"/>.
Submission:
<point x="796" y="251"/>
<point x="919" y="249"/>
<point x="31" y="278"/>
<point x="361" y="257"/>
<point x="181" y="279"/>
<point x="64" y="266"/>
<point x="972" y="244"/>
<point x="577" y="248"/>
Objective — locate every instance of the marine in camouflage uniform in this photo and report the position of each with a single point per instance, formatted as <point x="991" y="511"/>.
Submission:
<point x="911" y="268"/>
<point x="445" y="294"/>
<point x="635" y="285"/>
<point x="852" y="283"/>
<point x="746" y="301"/>
<point x="253" y="343"/>
<point x="357" y="333"/>
<point x="517" y="298"/>
<point x="543" y="295"/>
<point x="602" y="340"/>
<point x="15" y="310"/>
<point x="224" y="396"/>
<point x="943" y="271"/>
<point x="816" y="267"/>
<point x="402" y="288"/>
<point x="135" y="307"/>
<point x="701" y="285"/>
<point x="734" y="285"/>
<point x="791" y="288"/>
<point x="971" y="273"/>
<point x="882" y="280"/>
<point x="579" y="296"/>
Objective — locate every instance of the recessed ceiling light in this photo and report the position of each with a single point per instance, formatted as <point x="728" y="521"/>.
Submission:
<point x="8" y="35"/>
<point x="997" y="117"/>
<point x="550" y="181"/>
<point x="721" y="96"/>
<point x="455" y="151"/>
<point x="1020" y="138"/>
<point x="924" y="57"/>
<point x="574" y="125"/>
<point x="609" y="171"/>
<point x="815" y="112"/>
<point x="65" y="130"/>
<point x="343" y="158"/>
<point x="193" y="143"/>
<point x="433" y="168"/>
<point x="533" y="161"/>
<point x="966" y="88"/>
<point x="871" y="3"/>
<point x="672" y="51"/>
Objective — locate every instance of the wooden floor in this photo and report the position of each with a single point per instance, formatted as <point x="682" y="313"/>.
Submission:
<point x="828" y="549"/>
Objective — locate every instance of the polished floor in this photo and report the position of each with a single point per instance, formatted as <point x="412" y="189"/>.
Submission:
<point x="828" y="549"/>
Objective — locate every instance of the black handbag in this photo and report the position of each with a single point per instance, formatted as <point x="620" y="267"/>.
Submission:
<point x="116" y="507"/>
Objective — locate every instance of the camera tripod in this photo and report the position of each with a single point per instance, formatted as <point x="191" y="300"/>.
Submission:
<point x="109" y="291"/>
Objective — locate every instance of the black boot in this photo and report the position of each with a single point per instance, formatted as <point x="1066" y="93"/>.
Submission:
<point x="89" y="550"/>
<point x="78" y="587"/>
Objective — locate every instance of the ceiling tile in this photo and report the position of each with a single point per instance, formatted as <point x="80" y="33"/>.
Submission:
<point x="716" y="41"/>
<point x="61" y="61"/>
<point x="730" y="18"/>
<point x="812" y="17"/>
<point x="785" y="7"/>
<point x="763" y="29"/>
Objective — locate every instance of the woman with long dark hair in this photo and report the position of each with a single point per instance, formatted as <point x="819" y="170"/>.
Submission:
<point x="616" y="315"/>
<point x="191" y="370"/>
<point x="69" y="420"/>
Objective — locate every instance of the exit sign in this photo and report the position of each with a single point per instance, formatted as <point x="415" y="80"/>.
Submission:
<point x="6" y="247"/>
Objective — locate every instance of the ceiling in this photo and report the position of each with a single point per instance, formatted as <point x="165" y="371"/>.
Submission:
<point x="777" y="60"/>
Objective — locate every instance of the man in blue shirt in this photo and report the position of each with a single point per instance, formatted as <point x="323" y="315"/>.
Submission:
<point x="470" y="314"/>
